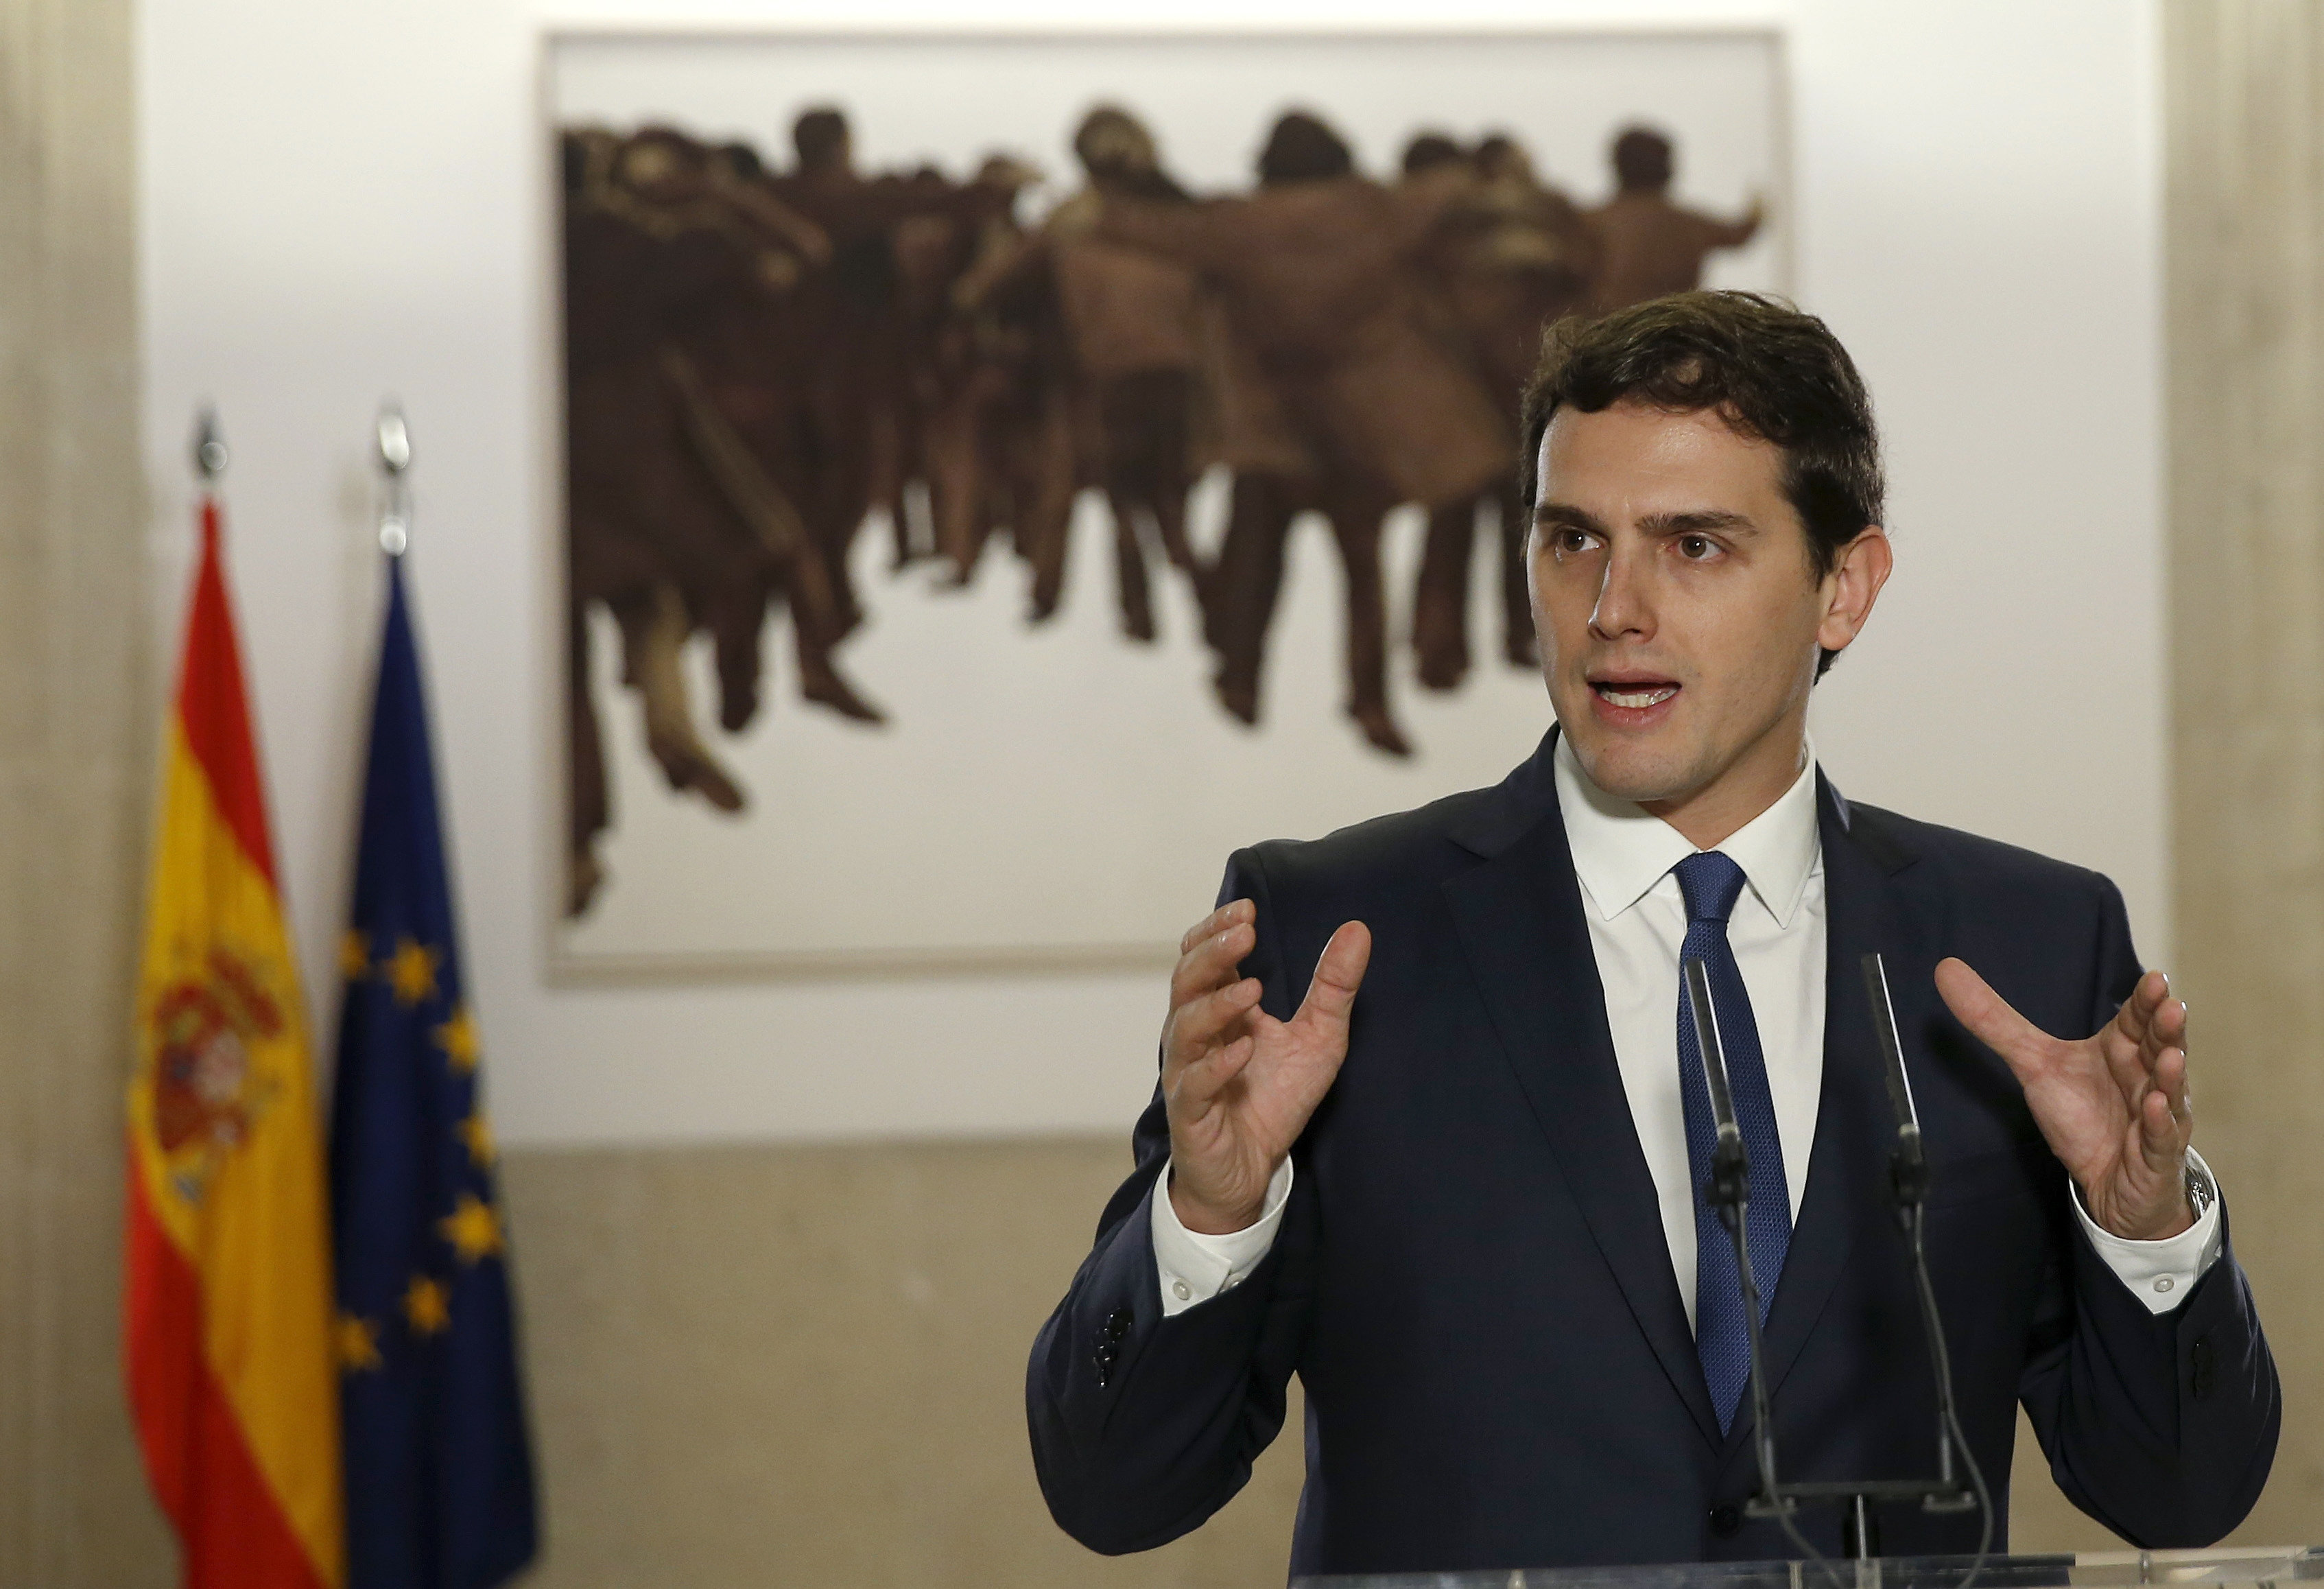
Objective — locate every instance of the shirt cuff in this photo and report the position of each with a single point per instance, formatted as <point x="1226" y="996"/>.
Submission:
<point x="2161" y="1273"/>
<point x="1194" y="1268"/>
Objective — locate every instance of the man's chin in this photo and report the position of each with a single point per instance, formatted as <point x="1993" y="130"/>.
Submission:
<point x="1640" y="772"/>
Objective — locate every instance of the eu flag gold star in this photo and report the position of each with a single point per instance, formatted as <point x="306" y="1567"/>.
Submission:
<point x="354" y="955"/>
<point x="411" y="970"/>
<point x="356" y="1342"/>
<point x="478" y="1132"/>
<point x="460" y="1041"/>
<point x="474" y="1229"/>
<point x="427" y="1306"/>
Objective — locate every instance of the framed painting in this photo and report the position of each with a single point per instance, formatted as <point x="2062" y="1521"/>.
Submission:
<point x="1001" y="473"/>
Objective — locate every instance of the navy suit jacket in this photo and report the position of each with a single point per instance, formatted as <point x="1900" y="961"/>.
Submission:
<point x="1470" y="1277"/>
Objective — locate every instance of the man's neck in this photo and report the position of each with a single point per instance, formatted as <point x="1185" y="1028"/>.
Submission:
<point x="1708" y="817"/>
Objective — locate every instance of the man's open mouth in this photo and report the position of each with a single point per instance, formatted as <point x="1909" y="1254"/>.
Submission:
<point x="1634" y="695"/>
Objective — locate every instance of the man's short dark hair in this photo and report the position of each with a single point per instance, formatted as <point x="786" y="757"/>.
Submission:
<point x="819" y="138"/>
<point x="1302" y="148"/>
<point x="1769" y="371"/>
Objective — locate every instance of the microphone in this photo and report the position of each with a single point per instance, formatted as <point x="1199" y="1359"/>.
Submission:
<point x="1908" y="1176"/>
<point x="1908" y="1166"/>
<point x="1730" y="1191"/>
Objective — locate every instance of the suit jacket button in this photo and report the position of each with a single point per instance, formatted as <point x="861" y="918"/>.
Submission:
<point x="1117" y="1324"/>
<point x="1726" y="1521"/>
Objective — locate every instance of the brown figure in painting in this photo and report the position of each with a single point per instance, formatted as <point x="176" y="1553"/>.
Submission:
<point x="736" y="361"/>
<point x="1512" y="257"/>
<point x="854" y="370"/>
<point x="1132" y="317"/>
<point x="859" y="370"/>
<point x="1651" y="247"/>
<point x="1317" y="271"/>
<point x="999" y="434"/>
<point x="646" y="522"/>
<point x="674" y="527"/>
<point x="1133" y="355"/>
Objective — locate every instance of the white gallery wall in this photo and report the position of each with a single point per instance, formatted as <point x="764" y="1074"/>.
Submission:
<point x="342" y="202"/>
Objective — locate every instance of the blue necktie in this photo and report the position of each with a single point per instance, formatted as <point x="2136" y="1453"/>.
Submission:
<point x="1711" y="884"/>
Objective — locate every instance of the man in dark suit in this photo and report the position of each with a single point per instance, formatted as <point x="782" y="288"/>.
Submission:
<point x="1464" y="1205"/>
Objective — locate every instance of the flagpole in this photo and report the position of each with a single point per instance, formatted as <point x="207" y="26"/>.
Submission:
<point x="226" y="1318"/>
<point x="394" y="451"/>
<point x="438" y="1467"/>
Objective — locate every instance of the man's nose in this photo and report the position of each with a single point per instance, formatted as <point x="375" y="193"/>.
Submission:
<point x="1625" y="606"/>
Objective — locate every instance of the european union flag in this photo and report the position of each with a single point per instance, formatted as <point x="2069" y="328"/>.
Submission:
<point x="438" y="1473"/>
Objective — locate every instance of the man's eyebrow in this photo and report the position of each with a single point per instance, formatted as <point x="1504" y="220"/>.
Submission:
<point x="1695" y="522"/>
<point x="1692" y="521"/>
<point x="1567" y="516"/>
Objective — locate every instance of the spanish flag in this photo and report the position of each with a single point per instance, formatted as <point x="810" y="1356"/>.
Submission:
<point x="228" y="1294"/>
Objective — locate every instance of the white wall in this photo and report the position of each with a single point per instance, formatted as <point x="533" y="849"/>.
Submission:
<point x="341" y="202"/>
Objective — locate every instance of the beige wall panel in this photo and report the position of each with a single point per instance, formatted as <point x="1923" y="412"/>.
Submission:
<point x="2244" y="253"/>
<point x="759" y="1365"/>
<point x="2244" y="284"/>
<point x="74" y="721"/>
<point x="805" y="1365"/>
<point x="767" y="1364"/>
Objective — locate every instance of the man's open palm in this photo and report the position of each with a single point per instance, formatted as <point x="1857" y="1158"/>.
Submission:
<point x="2114" y="1106"/>
<point x="1237" y="1084"/>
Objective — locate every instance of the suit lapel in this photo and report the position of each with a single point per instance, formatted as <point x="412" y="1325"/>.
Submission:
<point x="1847" y="1166"/>
<point x="1520" y="921"/>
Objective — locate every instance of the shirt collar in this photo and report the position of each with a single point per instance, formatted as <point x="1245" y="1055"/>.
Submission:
<point x="1620" y="851"/>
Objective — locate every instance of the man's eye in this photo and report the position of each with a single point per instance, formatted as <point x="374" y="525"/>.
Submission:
<point x="1695" y="549"/>
<point x="1570" y="541"/>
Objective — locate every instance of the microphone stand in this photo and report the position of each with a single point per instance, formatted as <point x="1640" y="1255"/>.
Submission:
<point x="1730" y="1191"/>
<point x="1908" y="1173"/>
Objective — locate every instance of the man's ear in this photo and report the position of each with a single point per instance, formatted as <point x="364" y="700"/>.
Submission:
<point x="1852" y="586"/>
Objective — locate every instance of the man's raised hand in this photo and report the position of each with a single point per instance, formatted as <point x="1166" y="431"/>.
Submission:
<point x="1237" y="1084"/>
<point x="2114" y="1107"/>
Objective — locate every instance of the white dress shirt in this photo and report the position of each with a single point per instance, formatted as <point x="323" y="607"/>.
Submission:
<point x="1636" y="913"/>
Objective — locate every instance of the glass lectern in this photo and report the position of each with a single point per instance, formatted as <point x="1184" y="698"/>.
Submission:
<point x="2104" y="1569"/>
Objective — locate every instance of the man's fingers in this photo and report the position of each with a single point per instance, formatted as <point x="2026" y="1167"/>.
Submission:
<point x="1201" y="1022"/>
<point x="1990" y="1018"/>
<point x="1210" y="963"/>
<point x="1234" y="912"/>
<point x="2139" y="1016"/>
<point x="2162" y="1133"/>
<point x="2150" y="1025"/>
<point x="1340" y="971"/>
<point x="2170" y="1081"/>
<point x="1200" y="1081"/>
<point x="2166" y="1028"/>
